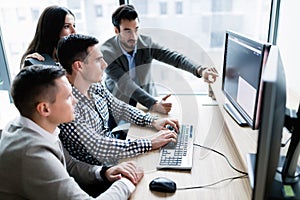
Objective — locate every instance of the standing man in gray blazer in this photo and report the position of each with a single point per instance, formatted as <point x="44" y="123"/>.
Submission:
<point x="129" y="56"/>
<point x="33" y="164"/>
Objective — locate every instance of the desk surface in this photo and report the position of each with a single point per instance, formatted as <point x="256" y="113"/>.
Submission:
<point x="208" y="167"/>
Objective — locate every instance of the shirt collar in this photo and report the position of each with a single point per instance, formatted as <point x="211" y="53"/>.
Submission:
<point x="94" y="88"/>
<point x="28" y="123"/>
<point x="78" y="95"/>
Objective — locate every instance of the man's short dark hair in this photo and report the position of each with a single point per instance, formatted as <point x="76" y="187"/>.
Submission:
<point x="125" y="11"/>
<point x="73" y="48"/>
<point x="34" y="84"/>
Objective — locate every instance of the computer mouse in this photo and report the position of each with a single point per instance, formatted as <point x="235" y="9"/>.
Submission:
<point x="162" y="184"/>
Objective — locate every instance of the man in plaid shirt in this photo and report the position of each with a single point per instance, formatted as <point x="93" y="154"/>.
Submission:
<point x="88" y="137"/>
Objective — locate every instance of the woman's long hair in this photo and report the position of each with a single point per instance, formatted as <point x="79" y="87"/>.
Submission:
<point x="48" y="29"/>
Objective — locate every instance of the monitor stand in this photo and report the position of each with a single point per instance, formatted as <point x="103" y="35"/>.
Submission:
<point x="235" y="114"/>
<point x="277" y="185"/>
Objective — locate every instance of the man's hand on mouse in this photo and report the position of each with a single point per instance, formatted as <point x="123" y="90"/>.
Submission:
<point x="161" y="123"/>
<point x="162" y="106"/>
<point x="128" y="170"/>
<point x="162" y="138"/>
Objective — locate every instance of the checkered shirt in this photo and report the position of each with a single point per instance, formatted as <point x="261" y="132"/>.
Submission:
<point x="88" y="138"/>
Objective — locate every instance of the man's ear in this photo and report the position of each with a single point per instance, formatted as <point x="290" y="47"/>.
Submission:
<point x="116" y="30"/>
<point x="43" y="109"/>
<point x="77" y="66"/>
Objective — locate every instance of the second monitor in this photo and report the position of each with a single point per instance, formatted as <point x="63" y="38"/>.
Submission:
<point x="244" y="59"/>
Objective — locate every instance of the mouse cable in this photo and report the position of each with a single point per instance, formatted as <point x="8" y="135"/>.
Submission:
<point x="212" y="184"/>
<point x="215" y="151"/>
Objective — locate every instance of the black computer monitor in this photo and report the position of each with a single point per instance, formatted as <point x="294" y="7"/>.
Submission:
<point x="244" y="59"/>
<point x="264" y="166"/>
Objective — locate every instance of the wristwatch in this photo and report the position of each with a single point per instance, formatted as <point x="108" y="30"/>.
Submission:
<point x="103" y="170"/>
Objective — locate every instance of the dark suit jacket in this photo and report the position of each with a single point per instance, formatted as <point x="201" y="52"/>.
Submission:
<point x="141" y="89"/>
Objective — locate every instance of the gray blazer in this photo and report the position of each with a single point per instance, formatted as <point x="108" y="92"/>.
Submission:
<point x="33" y="166"/>
<point x="118" y="81"/>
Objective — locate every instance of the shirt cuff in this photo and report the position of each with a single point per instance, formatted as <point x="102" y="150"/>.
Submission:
<point x="148" y="119"/>
<point x="201" y="68"/>
<point x="128" y="183"/>
<point x="97" y="173"/>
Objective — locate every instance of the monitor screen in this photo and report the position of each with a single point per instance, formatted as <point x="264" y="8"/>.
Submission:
<point x="244" y="59"/>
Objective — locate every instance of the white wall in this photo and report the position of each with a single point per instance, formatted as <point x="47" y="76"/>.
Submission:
<point x="289" y="42"/>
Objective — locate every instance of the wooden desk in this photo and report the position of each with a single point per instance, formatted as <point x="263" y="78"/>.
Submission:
<point x="244" y="138"/>
<point x="208" y="167"/>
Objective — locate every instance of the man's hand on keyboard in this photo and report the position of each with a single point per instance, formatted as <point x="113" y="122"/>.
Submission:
<point x="161" y="123"/>
<point x="163" y="138"/>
